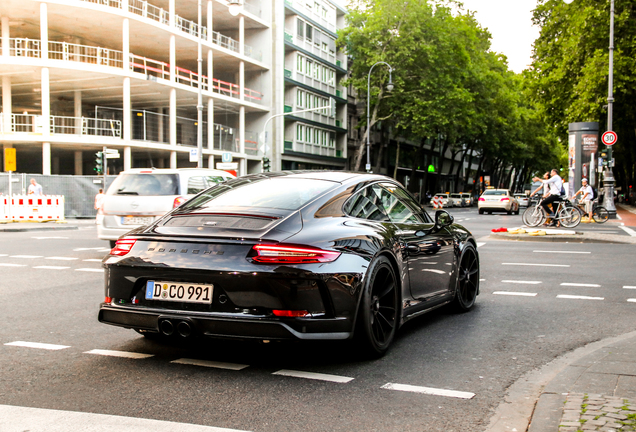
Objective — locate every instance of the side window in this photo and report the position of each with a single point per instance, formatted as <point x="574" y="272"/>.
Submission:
<point x="196" y="185"/>
<point x="366" y="205"/>
<point x="393" y="200"/>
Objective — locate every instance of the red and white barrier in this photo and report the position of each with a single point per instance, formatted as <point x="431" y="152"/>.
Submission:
<point x="31" y="208"/>
<point x="438" y="203"/>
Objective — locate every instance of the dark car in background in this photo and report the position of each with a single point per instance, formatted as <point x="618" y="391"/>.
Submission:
<point x="288" y="256"/>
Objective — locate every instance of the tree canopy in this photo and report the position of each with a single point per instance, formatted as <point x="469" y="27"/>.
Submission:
<point x="449" y="86"/>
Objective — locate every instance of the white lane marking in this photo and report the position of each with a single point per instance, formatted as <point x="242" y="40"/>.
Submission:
<point x="90" y="270"/>
<point x="12" y="265"/>
<point x="44" y="238"/>
<point x="61" y="258"/>
<point x="537" y="265"/>
<point x="482" y="280"/>
<point x="92" y="260"/>
<point x="521" y="282"/>
<point x="210" y="364"/>
<point x="480" y="244"/>
<point x="629" y="287"/>
<point x="312" y="375"/>
<point x="124" y="354"/>
<point x="629" y="231"/>
<point x="561" y="252"/>
<point x="3" y="255"/>
<point x="51" y="267"/>
<point x="631" y="300"/>
<point x="580" y="285"/>
<point x="86" y="249"/>
<point x="512" y="293"/>
<point x="429" y="391"/>
<point x="26" y="256"/>
<point x="564" y="296"/>
<point x="15" y="418"/>
<point x="37" y="345"/>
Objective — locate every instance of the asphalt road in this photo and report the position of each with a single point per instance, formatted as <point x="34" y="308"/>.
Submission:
<point x="538" y="301"/>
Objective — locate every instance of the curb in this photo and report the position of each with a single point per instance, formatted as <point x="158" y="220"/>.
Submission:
<point x="536" y="397"/>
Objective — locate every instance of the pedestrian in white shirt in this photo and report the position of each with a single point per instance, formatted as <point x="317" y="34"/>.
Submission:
<point x="587" y="196"/>
<point x="555" y="182"/>
<point x="35" y="188"/>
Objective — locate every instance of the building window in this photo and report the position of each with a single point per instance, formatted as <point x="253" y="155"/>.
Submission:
<point x="309" y="32"/>
<point x="299" y="63"/>
<point x="299" y="132"/>
<point x="299" y="98"/>
<point x="300" y="27"/>
<point x="324" y="47"/>
<point x="309" y="66"/>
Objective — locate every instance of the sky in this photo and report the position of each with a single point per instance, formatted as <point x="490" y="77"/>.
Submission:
<point x="510" y="23"/>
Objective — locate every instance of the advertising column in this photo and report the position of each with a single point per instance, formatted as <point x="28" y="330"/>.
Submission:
<point x="582" y="149"/>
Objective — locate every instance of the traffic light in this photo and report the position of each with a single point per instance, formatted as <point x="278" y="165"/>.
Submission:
<point x="99" y="163"/>
<point x="266" y="165"/>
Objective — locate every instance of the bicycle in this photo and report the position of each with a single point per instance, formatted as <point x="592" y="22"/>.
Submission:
<point x="565" y="213"/>
<point x="599" y="213"/>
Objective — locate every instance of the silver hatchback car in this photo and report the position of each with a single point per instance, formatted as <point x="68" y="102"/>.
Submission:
<point x="138" y="196"/>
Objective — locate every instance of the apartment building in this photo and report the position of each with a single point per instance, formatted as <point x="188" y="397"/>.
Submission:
<point x="81" y="75"/>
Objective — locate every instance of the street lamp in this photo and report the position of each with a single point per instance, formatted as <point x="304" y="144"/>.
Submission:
<point x="608" y="175"/>
<point x="234" y="7"/>
<point x="389" y="87"/>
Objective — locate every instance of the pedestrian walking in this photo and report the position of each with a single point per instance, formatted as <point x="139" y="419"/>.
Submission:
<point x="35" y="188"/>
<point x="99" y="198"/>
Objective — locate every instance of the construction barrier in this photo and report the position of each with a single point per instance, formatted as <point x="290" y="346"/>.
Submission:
<point x="437" y="202"/>
<point x="31" y="208"/>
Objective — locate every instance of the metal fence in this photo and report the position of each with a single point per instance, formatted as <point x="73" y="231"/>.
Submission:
<point x="79" y="191"/>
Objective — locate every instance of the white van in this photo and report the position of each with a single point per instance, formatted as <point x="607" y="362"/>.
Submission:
<point x="138" y="196"/>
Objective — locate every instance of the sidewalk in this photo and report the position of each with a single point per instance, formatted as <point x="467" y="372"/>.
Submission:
<point x="594" y="393"/>
<point x="592" y="388"/>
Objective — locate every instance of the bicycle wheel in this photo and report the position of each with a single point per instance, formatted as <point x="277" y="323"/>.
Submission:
<point x="600" y="214"/>
<point x="569" y="217"/>
<point x="533" y="216"/>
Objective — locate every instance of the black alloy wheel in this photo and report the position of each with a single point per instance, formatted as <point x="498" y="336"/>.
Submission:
<point x="379" y="307"/>
<point x="467" y="285"/>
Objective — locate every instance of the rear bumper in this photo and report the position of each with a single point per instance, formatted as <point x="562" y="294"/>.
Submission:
<point x="224" y="325"/>
<point x="109" y="227"/>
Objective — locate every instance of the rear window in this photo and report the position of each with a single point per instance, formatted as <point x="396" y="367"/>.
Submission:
<point x="276" y="193"/>
<point x="495" y="192"/>
<point x="456" y="196"/>
<point x="145" y="185"/>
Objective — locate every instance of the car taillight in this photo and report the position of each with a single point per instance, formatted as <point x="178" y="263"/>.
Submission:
<point x="482" y="199"/>
<point x="281" y="254"/>
<point x="178" y="201"/>
<point x="505" y="199"/>
<point x="122" y="247"/>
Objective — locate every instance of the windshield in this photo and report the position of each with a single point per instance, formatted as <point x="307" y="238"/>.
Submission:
<point x="145" y="185"/>
<point x="272" y="193"/>
<point x="456" y="196"/>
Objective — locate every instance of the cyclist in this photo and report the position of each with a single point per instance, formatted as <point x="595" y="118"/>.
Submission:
<point x="555" y="182"/>
<point x="545" y="187"/>
<point x="587" y="197"/>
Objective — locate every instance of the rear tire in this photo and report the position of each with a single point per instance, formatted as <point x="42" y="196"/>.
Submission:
<point x="533" y="216"/>
<point x="600" y="214"/>
<point x="481" y="211"/>
<point x="569" y="217"/>
<point x="378" y="316"/>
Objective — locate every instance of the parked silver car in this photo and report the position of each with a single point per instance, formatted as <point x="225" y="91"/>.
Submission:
<point x="522" y="199"/>
<point x="138" y="196"/>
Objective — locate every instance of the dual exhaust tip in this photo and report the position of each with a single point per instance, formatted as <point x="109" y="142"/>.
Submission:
<point x="183" y="328"/>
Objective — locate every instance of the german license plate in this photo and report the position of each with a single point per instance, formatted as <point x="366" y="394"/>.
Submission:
<point x="136" y="220"/>
<point x="179" y="292"/>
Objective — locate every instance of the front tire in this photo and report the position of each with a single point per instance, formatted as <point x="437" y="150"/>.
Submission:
<point x="378" y="317"/>
<point x="467" y="284"/>
<point x="600" y="214"/>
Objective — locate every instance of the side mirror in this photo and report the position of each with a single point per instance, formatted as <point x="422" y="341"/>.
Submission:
<point x="443" y="218"/>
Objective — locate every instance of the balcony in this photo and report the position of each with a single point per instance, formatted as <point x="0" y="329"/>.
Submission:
<point x="311" y="149"/>
<point x="34" y="124"/>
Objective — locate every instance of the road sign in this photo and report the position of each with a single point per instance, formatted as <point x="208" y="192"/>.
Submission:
<point x="227" y="165"/>
<point x="194" y="155"/>
<point x="226" y="157"/>
<point x="609" y="138"/>
<point x="9" y="159"/>
<point x="112" y="154"/>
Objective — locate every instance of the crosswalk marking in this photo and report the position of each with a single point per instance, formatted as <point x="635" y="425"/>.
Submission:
<point x="314" y="376"/>
<point x="123" y="354"/>
<point x="37" y="345"/>
<point x="52" y="267"/>
<point x="210" y="364"/>
<point x="515" y="293"/>
<point x="429" y="391"/>
<point x="573" y="297"/>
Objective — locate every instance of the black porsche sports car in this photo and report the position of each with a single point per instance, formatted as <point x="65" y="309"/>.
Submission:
<point x="291" y="255"/>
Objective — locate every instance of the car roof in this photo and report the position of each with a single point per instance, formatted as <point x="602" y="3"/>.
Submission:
<point x="175" y="171"/>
